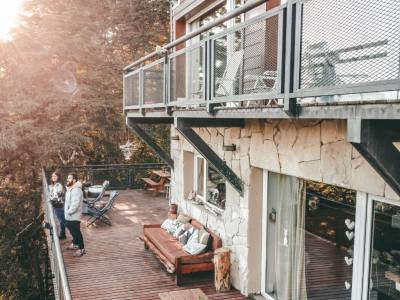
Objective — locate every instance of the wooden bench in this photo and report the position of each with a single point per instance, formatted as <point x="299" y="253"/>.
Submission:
<point x="169" y="251"/>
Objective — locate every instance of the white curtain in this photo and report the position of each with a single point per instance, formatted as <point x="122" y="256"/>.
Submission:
<point x="290" y="281"/>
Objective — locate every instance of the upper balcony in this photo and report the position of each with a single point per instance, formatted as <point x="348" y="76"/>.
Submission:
<point x="304" y="58"/>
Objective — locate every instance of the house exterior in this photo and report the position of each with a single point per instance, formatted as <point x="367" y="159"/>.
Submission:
<point x="285" y="139"/>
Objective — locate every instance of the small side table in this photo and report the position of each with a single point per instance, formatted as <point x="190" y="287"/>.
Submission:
<point x="222" y="264"/>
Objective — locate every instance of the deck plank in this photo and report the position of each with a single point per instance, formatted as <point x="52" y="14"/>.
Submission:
<point x="116" y="265"/>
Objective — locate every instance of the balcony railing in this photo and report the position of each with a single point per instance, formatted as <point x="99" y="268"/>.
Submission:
<point x="121" y="176"/>
<point x="333" y="50"/>
<point x="60" y="280"/>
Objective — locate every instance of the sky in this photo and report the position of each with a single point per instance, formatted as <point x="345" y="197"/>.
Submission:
<point x="9" y="10"/>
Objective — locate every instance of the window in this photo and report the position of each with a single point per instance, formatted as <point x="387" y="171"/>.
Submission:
<point x="384" y="258"/>
<point x="210" y="185"/>
<point x="200" y="164"/>
<point x="216" y="193"/>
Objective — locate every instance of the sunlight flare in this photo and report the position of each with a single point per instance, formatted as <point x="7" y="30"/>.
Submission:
<point x="9" y="12"/>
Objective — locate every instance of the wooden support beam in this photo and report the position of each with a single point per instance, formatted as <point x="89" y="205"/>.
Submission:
<point x="202" y="147"/>
<point x="150" y="142"/>
<point x="374" y="140"/>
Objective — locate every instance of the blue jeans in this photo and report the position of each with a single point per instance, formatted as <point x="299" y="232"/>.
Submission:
<point x="61" y="218"/>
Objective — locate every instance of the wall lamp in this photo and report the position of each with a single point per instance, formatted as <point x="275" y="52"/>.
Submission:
<point x="229" y="147"/>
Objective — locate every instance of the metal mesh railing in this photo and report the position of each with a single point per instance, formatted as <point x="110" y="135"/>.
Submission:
<point x="132" y="89"/>
<point x="177" y="77"/>
<point x="60" y="280"/>
<point x="246" y="60"/>
<point x="187" y="74"/>
<point x="349" y="42"/>
<point x="196" y="72"/>
<point x="153" y="83"/>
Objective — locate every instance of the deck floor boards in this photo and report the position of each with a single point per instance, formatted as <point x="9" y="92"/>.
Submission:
<point x="116" y="265"/>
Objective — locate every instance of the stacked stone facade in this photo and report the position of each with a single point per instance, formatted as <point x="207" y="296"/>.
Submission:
<point x="314" y="150"/>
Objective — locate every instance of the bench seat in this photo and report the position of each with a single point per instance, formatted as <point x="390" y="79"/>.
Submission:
<point x="166" y="243"/>
<point x="169" y="251"/>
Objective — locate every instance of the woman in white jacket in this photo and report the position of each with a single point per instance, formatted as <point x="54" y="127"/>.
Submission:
<point x="73" y="213"/>
<point x="56" y="197"/>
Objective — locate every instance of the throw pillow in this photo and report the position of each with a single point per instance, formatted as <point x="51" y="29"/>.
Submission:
<point x="194" y="248"/>
<point x="204" y="236"/>
<point x="183" y="238"/>
<point x="183" y="219"/>
<point x="179" y="231"/>
<point x="194" y="237"/>
<point x="170" y="226"/>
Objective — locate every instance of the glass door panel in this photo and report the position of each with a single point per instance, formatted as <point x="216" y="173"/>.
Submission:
<point x="384" y="269"/>
<point x="310" y="233"/>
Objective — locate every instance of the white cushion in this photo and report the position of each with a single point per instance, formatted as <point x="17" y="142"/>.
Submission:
<point x="194" y="248"/>
<point x="179" y="231"/>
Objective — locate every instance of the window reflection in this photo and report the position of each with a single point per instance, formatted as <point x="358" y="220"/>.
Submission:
<point x="215" y="188"/>
<point x="385" y="252"/>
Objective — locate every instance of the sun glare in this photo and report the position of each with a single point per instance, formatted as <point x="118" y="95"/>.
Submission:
<point x="9" y="10"/>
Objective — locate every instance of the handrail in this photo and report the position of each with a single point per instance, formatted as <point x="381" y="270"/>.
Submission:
<point x="63" y="289"/>
<point x="234" y="13"/>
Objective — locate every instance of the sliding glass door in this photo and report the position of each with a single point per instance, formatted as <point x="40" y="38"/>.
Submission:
<point x="382" y="276"/>
<point x="309" y="240"/>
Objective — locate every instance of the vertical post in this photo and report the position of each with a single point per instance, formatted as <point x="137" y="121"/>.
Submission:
<point x="290" y="105"/>
<point x="141" y="89"/>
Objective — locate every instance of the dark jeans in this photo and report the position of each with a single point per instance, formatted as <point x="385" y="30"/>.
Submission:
<point x="59" y="211"/>
<point x="75" y="228"/>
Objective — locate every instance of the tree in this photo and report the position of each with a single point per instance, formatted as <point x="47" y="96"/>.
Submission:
<point x="61" y="103"/>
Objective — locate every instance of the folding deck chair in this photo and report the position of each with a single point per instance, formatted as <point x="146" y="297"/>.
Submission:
<point x="225" y="84"/>
<point x="100" y="214"/>
<point x="90" y="202"/>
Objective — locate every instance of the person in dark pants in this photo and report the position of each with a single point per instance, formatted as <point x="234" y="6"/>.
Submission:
<point x="73" y="213"/>
<point x="56" y="197"/>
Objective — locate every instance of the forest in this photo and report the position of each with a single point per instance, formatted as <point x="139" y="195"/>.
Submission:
<point x="61" y="104"/>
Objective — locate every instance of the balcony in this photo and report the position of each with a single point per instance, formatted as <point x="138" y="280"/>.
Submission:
<point x="116" y="266"/>
<point x="290" y="60"/>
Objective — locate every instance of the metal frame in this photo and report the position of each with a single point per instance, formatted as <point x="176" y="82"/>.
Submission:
<point x="356" y="88"/>
<point x="277" y="11"/>
<point x="60" y="280"/>
<point x="186" y="51"/>
<point x="143" y="69"/>
<point x="204" y="149"/>
<point x="125" y="77"/>
<point x="151" y="143"/>
<point x="290" y="18"/>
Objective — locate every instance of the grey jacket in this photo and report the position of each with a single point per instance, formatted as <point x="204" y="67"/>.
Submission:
<point x="73" y="202"/>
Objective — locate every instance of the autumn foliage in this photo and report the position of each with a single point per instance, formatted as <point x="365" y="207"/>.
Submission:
<point x="61" y="103"/>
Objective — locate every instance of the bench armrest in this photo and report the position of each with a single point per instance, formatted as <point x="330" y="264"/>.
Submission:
<point x="195" y="259"/>
<point x="151" y="226"/>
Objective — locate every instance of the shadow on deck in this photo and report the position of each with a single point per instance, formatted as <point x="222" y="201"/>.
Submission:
<point x="116" y="265"/>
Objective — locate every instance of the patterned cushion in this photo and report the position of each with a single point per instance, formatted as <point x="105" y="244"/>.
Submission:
<point x="204" y="236"/>
<point x="194" y="248"/>
<point x="183" y="219"/>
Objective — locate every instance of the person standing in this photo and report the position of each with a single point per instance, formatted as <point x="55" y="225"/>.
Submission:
<point x="56" y="196"/>
<point x="73" y="213"/>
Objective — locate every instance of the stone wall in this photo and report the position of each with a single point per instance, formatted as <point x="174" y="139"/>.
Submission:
<point x="314" y="150"/>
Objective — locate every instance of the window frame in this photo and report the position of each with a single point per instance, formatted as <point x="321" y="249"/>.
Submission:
<point x="196" y="177"/>
<point x="363" y="239"/>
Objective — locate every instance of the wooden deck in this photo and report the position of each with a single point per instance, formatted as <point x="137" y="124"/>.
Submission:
<point x="116" y="265"/>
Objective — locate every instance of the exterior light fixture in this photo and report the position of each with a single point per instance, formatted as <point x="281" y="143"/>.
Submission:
<point x="175" y="137"/>
<point x="229" y="147"/>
